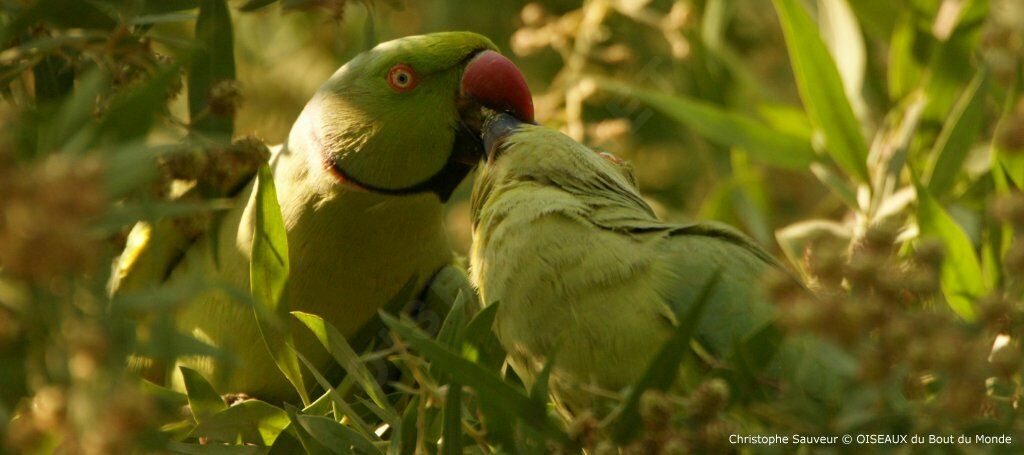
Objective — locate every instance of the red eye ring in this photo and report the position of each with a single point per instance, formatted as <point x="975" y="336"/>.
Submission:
<point x="402" y="78"/>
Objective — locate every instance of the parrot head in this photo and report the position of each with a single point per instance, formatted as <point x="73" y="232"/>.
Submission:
<point x="519" y="153"/>
<point x="405" y="116"/>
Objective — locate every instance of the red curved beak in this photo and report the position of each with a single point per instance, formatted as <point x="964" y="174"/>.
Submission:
<point x="494" y="82"/>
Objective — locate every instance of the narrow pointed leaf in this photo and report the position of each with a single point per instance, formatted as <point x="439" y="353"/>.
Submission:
<point x="252" y="421"/>
<point x="341" y="406"/>
<point x="821" y="89"/>
<point x="451" y="429"/>
<point x="960" y="275"/>
<point x="338" y="347"/>
<point x="268" y="274"/>
<point x="202" y="398"/>
<point x="958" y="134"/>
<point x="488" y="384"/>
<point x="335" y="436"/>
<point x="728" y="129"/>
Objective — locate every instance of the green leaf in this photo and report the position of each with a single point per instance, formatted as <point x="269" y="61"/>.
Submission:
<point x="725" y="128"/>
<point x="171" y="397"/>
<point x="480" y="337"/>
<point x="841" y="34"/>
<point x="454" y="326"/>
<point x="202" y="398"/>
<point x="661" y="372"/>
<point x="489" y="385"/>
<point x="836" y="184"/>
<point x="821" y="89"/>
<point x="904" y="69"/>
<point x="958" y="134"/>
<point x="252" y="421"/>
<point x="451" y="429"/>
<point x="336" y="436"/>
<point x="341" y="406"/>
<point x="404" y="440"/>
<point x="253" y="5"/>
<point x="338" y="347"/>
<point x="214" y="449"/>
<point x="960" y="275"/>
<point x="296" y="433"/>
<point x="214" y="61"/>
<point x="268" y="277"/>
<point x="949" y="64"/>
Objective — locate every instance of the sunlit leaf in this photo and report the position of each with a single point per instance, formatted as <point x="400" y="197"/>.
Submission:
<point x="726" y="128"/>
<point x="841" y="34"/>
<point x="251" y="421"/>
<point x="488" y="385"/>
<point x="341" y="406"/>
<point x="268" y="277"/>
<point x="336" y="436"/>
<point x="959" y="133"/>
<point x="480" y="337"/>
<point x="214" y="449"/>
<point x="253" y="5"/>
<point x="202" y="398"/>
<point x="822" y="90"/>
<point x="343" y="353"/>
<point x="960" y="275"/>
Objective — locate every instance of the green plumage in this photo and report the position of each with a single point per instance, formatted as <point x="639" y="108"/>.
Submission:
<point x="352" y="249"/>
<point x="587" y="275"/>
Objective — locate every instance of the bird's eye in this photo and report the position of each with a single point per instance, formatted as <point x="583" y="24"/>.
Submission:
<point x="402" y="78"/>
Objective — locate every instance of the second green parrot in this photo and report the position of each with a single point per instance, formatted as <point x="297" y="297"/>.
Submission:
<point x="588" y="278"/>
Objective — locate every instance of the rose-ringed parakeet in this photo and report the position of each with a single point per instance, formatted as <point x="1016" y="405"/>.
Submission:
<point x="361" y="181"/>
<point x="588" y="278"/>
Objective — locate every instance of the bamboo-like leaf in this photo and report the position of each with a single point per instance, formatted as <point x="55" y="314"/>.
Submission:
<point x="661" y="372"/>
<point x="841" y="34"/>
<point x="253" y="5"/>
<point x="341" y="406"/>
<point x="268" y="275"/>
<point x="335" y="436"/>
<point x="202" y="398"/>
<point x="960" y="275"/>
<point x="214" y="61"/>
<point x="904" y="70"/>
<point x="836" y="184"/>
<point x="822" y="90"/>
<point x="296" y="434"/>
<point x="489" y="385"/>
<point x="252" y="421"/>
<point x="213" y="449"/>
<point x="480" y="337"/>
<point x="958" y="134"/>
<point x="725" y="128"/>
<point x="451" y="429"/>
<point x="338" y="347"/>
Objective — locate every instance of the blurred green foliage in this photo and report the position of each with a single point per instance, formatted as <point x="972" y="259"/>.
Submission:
<point x="877" y="144"/>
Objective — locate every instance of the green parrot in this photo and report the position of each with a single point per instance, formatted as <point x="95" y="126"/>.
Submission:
<point x="588" y="278"/>
<point x="361" y="181"/>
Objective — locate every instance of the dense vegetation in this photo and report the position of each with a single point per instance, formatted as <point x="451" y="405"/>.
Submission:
<point x="876" y="144"/>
